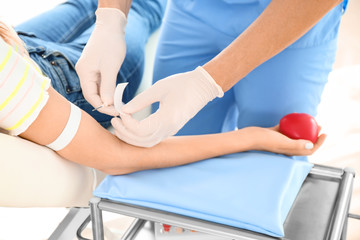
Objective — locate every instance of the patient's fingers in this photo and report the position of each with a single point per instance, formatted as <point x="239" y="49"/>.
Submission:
<point x="276" y="128"/>
<point x="304" y="151"/>
<point x="319" y="142"/>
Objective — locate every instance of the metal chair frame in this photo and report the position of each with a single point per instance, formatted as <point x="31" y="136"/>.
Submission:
<point x="330" y="221"/>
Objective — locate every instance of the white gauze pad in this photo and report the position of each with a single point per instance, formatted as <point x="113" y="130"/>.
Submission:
<point x="119" y="91"/>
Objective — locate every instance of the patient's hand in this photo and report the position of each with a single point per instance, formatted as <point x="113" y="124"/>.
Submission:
<point x="270" y="139"/>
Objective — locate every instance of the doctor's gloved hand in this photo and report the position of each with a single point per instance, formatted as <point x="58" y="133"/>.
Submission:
<point x="102" y="58"/>
<point x="181" y="97"/>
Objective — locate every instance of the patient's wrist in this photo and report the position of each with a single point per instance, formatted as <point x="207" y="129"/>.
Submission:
<point x="252" y="137"/>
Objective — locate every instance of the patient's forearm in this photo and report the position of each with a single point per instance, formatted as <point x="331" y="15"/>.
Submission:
<point x="181" y="150"/>
<point x="96" y="147"/>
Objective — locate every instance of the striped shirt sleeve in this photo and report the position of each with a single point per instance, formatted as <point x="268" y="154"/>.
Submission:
<point x="23" y="90"/>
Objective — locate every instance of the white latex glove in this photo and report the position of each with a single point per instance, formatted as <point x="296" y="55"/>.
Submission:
<point x="181" y="97"/>
<point x="101" y="59"/>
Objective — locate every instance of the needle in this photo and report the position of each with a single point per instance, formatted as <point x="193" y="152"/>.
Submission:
<point x="98" y="108"/>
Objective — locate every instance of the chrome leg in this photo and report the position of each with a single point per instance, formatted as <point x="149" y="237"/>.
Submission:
<point x="133" y="230"/>
<point x="96" y="219"/>
<point x="69" y="225"/>
<point x="342" y="206"/>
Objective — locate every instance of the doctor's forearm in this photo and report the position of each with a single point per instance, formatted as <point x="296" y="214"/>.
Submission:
<point x="281" y="24"/>
<point x="123" y="5"/>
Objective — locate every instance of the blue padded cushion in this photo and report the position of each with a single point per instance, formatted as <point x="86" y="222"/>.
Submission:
<point x="249" y="190"/>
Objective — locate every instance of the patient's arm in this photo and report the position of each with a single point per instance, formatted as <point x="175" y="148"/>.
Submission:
<point x="96" y="147"/>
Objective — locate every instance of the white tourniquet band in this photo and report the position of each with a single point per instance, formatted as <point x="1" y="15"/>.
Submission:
<point x="69" y="131"/>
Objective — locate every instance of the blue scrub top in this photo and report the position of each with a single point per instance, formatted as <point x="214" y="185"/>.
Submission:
<point x="195" y="31"/>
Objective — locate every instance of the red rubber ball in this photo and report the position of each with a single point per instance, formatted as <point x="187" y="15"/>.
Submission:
<point x="300" y="126"/>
